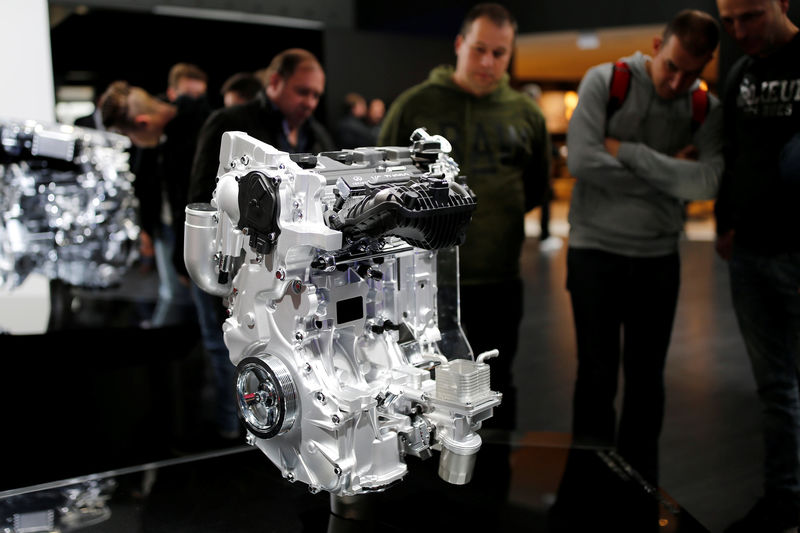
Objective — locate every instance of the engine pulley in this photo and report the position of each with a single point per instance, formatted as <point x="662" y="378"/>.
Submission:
<point x="265" y="395"/>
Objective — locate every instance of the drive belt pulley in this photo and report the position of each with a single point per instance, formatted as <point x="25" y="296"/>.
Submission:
<point x="265" y="395"/>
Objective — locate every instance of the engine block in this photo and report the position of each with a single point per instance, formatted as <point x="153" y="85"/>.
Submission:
<point x="339" y="273"/>
<point x="68" y="205"/>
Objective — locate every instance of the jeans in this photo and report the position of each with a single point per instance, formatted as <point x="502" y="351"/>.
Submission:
<point x="174" y="304"/>
<point x="623" y="308"/>
<point x="210" y="316"/>
<point x="766" y="297"/>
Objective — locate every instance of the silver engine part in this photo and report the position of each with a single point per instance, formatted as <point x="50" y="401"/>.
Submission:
<point x="59" y="510"/>
<point x="339" y="272"/>
<point x="67" y="202"/>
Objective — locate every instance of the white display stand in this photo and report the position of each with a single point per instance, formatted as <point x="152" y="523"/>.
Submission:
<point x="25" y="310"/>
<point x="26" y="93"/>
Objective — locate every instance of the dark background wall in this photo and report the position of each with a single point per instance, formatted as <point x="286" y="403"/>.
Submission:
<point x="104" y="45"/>
<point x="379" y="64"/>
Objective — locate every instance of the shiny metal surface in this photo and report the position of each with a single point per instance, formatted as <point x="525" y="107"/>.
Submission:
<point x="266" y="396"/>
<point x="330" y="269"/>
<point x="68" y="204"/>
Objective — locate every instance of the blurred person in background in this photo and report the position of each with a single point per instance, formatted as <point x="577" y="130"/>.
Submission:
<point x="547" y="242"/>
<point x="501" y="145"/>
<point x="186" y="79"/>
<point x="240" y="88"/>
<point x="280" y="115"/>
<point x="352" y="130"/>
<point x="165" y="136"/>
<point x="376" y="110"/>
<point x="636" y="164"/>
<point x="758" y="233"/>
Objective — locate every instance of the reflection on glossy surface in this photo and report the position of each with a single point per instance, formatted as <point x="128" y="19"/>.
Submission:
<point x="153" y="378"/>
<point x="513" y="488"/>
<point x="70" y="507"/>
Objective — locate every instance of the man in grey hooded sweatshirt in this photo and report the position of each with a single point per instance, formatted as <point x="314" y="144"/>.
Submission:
<point x="635" y="170"/>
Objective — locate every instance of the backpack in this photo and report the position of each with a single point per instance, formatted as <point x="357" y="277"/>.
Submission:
<point x="621" y="82"/>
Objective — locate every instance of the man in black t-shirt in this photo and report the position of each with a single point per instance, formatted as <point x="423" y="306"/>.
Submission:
<point x="758" y="227"/>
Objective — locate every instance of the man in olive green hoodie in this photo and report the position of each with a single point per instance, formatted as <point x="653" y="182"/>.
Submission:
<point x="501" y="145"/>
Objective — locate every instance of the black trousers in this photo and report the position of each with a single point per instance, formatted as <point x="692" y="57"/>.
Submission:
<point x="623" y="308"/>
<point x="490" y="316"/>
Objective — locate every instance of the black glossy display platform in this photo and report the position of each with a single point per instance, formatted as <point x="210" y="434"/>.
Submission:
<point x="238" y="489"/>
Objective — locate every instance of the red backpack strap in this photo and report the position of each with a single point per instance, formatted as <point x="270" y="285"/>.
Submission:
<point x="618" y="90"/>
<point x="700" y="103"/>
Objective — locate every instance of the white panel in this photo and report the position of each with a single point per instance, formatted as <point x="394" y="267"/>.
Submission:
<point x="25" y="60"/>
<point x="26" y="93"/>
<point x="25" y="310"/>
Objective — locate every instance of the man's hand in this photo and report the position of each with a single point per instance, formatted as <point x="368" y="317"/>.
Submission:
<point x="146" y="251"/>
<point x="146" y="245"/>
<point x="612" y="146"/>
<point x="688" y="152"/>
<point x="724" y="244"/>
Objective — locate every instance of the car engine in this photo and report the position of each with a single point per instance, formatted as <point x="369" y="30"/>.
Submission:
<point x="339" y="272"/>
<point x="68" y="205"/>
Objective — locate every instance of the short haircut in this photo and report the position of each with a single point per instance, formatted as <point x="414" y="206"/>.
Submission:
<point x="244" y="83"/>
<point x="185" y="70"/>
<point x="288" y="61"/>
<point x="494" y="12"/>
<point x="351" y="100"/>
<point x="121" y="103"/>
<point x="697" y="31"/>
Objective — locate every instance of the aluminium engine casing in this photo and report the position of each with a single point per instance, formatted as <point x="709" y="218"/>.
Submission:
<point x="341" y="320"/>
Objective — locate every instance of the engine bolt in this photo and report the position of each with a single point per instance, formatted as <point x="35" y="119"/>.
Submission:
<point x="297" y="286"/>
<point x="245" y="160"/>
<point x="298" y="336"/>
<point x="337" y="470"/>
<point x="280" y="274"/>
<point x="335" y="419"/>
<point x="321" y="398"/>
